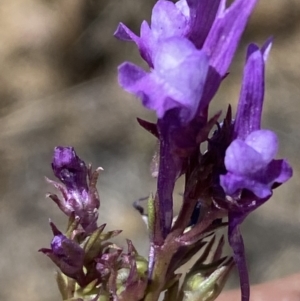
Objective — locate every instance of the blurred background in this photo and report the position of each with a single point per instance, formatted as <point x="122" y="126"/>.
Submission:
<point x="58" y="86"/>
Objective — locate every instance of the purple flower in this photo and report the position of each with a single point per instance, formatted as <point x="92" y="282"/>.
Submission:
<point x="66" y="254"/>
<point x="187" y="83"/>
<point x="188" y="47"/>
<point x="249" y="159"/>
<point x="177" y="79"/>
<point x="250" y="165"/>
<point x="78" y="197"/>
<point x="252" y="171"/>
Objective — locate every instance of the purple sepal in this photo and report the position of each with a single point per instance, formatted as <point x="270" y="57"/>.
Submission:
<point x="224" y="36"/>
<point x="66" y="254"/>
<point x="176" y="81"/>
<point x="148" y="126"/>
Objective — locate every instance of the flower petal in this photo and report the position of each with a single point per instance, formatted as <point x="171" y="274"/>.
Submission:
<point x="250" y="105"/>
<point x="248" y="163"/>
<point x="265" y="142"/>
<point x="167" y="20"/>
<point x="232" y="184"/>
<point x="143" y="43"/>
<point x="129" y="75"/>
<point x="202" y="15"/>
<point x="242" y="159"/>
<point x="124" y="33"/>
<point x="176" y="81"/>
<point x="277" y="172"/>
<point x="226" y="31"/>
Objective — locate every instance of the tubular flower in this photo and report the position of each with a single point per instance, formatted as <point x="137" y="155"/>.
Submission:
<point x="249" y="159"/>
<point x="252" y="171"/>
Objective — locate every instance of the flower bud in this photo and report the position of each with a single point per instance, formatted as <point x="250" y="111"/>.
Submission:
<point x="79" y="196"/>
<point x="200" y="286"/>
<point x="66" y="254"/>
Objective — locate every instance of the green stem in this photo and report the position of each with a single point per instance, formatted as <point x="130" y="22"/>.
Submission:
<point x="163" y="257"/>
<point x="71" y="287"/>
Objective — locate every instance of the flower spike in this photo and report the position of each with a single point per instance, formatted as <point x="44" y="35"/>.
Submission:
<point x="229" y="168"/>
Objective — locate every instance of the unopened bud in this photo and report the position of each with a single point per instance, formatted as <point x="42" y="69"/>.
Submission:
<point x="141" y="265"/>
<point x="207" y="288"/>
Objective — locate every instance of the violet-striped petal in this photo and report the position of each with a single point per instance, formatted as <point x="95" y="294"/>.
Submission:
<point x="250" y="105"/>
<point x="201" y="17"/>
<point x="224" y="36"/>
<point x="252" y="94"/>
